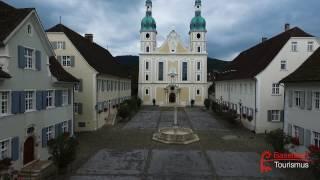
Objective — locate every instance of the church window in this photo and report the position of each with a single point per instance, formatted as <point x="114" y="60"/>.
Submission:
<point x="198" y="66"/>
<point x="198" y="77"/>
<point x="147" y="91"/>
<point x="199" y="49"/>
<point x="160" y="71"/>
<point x="198" y="35"/>
<point x="184" y="71"/>
<point x="147" y="35"/>
<point x="147" y="65"/>
<point x="198" y="92"/>
<point x="148" y="49"/>
<point x="147" y="77"/>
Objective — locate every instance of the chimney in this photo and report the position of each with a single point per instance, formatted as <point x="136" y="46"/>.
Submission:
<point x="264" y="39"/>
<point x="286" y="27"/>
<point x="89" y="37"/>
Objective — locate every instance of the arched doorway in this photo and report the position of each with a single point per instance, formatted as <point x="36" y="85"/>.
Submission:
<point x="172" y="98"/>
<point x="28" y="150"/>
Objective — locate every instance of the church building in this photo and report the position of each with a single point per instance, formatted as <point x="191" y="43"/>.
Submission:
<point x="173" y="74"/>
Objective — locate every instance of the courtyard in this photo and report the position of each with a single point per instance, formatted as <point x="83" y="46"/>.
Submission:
<point x="126" y="151"/>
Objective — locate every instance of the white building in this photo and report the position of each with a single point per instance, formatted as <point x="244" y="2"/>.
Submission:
<point x="302" y="102"/>
<point x="187" y="65"/>
<point x="250" y="84"/>
<point x="104" y="83"/>
<point x="36" y="93"/>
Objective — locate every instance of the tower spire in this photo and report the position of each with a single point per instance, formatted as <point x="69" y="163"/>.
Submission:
<point x="149" y="7"/>
<point x="197" y="6"/>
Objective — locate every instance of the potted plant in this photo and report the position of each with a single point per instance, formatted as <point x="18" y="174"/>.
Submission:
<point x="154" y="102"/>
<point x="192" y="102"/>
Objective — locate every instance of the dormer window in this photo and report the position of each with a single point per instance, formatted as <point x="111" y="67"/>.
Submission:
<point x="310" y="46"/>
<point x="294" y="46"/>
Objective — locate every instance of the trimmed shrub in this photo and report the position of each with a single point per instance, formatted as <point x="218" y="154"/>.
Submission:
<point x="207" y="103"/>
<point x="124" y="111"/>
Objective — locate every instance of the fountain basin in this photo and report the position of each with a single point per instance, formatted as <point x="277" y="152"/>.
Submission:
<point x="175" y="135"/>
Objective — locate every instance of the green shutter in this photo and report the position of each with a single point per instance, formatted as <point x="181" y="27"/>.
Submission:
<point x="21" y="60"/>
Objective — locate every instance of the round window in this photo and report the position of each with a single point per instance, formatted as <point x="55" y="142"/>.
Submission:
<point x="147" y="35"/>
<point x="198" y="35"/>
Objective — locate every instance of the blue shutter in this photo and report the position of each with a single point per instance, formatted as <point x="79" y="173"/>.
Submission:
<point x="15" y="148"/>
<point x="15" y="105"/>
<point x="39" y="100"/>
<point x="38" y="60"/>
<point x="57" y="130"/>
<point x="22" y="102"/>
<point x="21" y="60"/>
<point x="44" y="137"/>
<point x="58" y="98"/>
<point x="69" y="96"/>
<point x="70" y="129"/>
<point x="44" y="99"/>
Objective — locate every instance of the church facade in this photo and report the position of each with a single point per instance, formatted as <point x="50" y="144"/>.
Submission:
<point x="173" y="74"/>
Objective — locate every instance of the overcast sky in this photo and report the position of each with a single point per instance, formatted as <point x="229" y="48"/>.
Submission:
<point x="233" y="25"/>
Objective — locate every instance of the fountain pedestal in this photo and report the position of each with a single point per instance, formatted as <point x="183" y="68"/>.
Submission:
<point x="175" y="135"/>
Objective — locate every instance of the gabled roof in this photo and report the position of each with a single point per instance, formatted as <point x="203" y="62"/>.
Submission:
<point x="10" y="18"/>
<point x="309" y="71"/>
<point x="4" y="75"/>
<point x="59" y="73"/>
<point x="96" y="56"/>
<point x="251" y="62"/>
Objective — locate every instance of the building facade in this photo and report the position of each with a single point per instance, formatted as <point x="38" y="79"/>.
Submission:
<point x="302" y="102"/>
<point x="172" y="73"/>
<point x="103" y="82"/>
<point x="36" y="94"/>
<point x="250" y="84"/>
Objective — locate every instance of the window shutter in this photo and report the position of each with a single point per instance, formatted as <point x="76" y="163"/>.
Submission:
<point x="303" y="100"/>
<point x="44" y="99"/>
<point x="21" y="60"/>
<point x="39" y="100"/>
<point x="57" y="130"/>
<point x="309" y="100"/>
<point x="59" y="59"/>
<point x="72" y="59"/>
<point x="269" y="116"/>
<point x="80" y="85"/>
<point x="69" y="96"/>
<point x="80" y="108"/>
<point x="58" y="98"/>
<point x="70" y="129"/>
<point x="301" y="135"/>
<point x="290" y="98"/>
<point x="15" y="105"/>
<point x="64" y="45"/>
<point x="44" y="137"/>
<point x="22" y="102"/>
<point x="307" y="138"/>
<point x="38" y="60"/>
<point x="281" y="116"/>
<point x="289" y="129"/>
<point x="15" y="148"/>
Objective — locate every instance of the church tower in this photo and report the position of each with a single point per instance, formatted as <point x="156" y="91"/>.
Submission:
<point x="198" y="31"/>
<point x="148" y="31"/>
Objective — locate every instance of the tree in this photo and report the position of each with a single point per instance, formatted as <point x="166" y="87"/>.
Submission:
<point x="63" y="150"/>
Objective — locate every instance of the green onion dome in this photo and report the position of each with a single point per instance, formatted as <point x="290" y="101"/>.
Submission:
<point x="148" y="23"/>
<point x="198" y="23"/>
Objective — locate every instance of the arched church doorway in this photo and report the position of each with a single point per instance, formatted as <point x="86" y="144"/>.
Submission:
<point x="28" y="150"/>
<point x="172" y="98"/>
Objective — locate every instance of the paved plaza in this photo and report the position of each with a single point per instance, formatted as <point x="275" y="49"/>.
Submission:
<point x="126" y="151"/>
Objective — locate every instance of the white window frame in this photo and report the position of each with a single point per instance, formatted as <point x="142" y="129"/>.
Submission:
<point x="310" y="47"/>
<point x="29" y="58"/>
<point x="50" y="133"/>
<point x="283" y="65"/>
<point x="316" y="100"/>
<point x="296" y="130"/>
<point x="5" y="146"/>
<point x="48" y="97"/>
<point x="29" y="29"/>
<point x="30" y="100"/>
<point x="198" y="77"/>
<point x="60" y="45"/>
<point x="316" y="139"/>
<point x="6" y="102"/>
<point x="66" y="61"/>
<point x="294" y="46"/>
<point x="275" y="89"/>
<point x="65" y="127"/>
<point x="297" y="98"/>
<point x="76" y="108"/>
<point x="275" y="115"/>
<point x="65" y="97"/>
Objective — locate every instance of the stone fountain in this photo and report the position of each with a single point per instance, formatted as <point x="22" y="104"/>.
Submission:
<point x="175" y="134"/>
